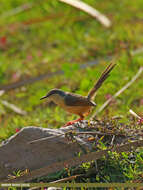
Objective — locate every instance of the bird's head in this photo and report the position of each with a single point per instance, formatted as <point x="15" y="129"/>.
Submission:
<point x="54" y="95"/>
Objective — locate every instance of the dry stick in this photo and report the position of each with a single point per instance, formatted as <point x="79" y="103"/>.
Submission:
<point x="44" y="139"/>
<point x="119" y="92"/>
<point x="90" y="10"/>
<point x="13" y="107"/>
<point x="29" y="81"/>
<point x="42" y="19"/>
<point x="134" y="114"/>
<point x="112" y="140"/>
<point x="61" y="180"/>
<point x="26" y="23"/>
<point x="99" y="133"/>
<point x="67" y="178"/>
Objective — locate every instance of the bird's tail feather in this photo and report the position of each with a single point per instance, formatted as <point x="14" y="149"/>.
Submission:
<point x="102" y="78"/>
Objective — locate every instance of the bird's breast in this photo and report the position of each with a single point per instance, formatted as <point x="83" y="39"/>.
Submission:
<point x="79" y="110"/>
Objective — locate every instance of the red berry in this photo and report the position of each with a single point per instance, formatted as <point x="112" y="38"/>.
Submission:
<point x="17" y="130"/>
<point x="140" y="121"/>
<point x="3" y="40"/>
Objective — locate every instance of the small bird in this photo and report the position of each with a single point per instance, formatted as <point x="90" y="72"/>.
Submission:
<point x="75" y="103"/>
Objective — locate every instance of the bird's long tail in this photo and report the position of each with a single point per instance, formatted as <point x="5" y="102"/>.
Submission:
<point x="102" y="78"/>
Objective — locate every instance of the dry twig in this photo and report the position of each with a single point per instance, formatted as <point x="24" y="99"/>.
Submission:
<point x="44" y="139"/>
<point x="134" y="114"/>
<point x="67" y="179"/>
<point x="90" y="10"/>
<point x="99" y="133"/>
<point x="13" y="107"/>
<point x="61" y="180"/>
<point x="112" y="140"/>
<point x="119" y="92"/>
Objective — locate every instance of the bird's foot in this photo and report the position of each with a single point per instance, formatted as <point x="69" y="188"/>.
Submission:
<point x="72" y="122"/>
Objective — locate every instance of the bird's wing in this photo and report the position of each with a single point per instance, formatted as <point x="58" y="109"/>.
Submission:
<point x="102" y="78"/>
<point x="77" y="100"/>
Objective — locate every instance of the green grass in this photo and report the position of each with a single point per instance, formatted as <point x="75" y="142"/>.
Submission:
<point x="65" y="40"/>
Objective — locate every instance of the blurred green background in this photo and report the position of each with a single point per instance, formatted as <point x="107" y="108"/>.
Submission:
<point x="51" y="36"/>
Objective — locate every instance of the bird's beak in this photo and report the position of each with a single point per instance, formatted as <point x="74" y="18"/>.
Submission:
<point x="43" y="97"/>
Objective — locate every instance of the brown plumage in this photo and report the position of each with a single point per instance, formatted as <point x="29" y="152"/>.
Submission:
<point x="75" y="103"/>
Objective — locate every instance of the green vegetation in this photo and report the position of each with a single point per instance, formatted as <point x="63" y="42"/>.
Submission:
<point x="53" y="36"/>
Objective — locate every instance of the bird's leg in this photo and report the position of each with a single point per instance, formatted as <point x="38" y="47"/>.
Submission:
<point x="73" y="121"/>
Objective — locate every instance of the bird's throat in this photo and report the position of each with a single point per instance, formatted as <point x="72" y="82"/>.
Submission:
<point x="59" y="100"/>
